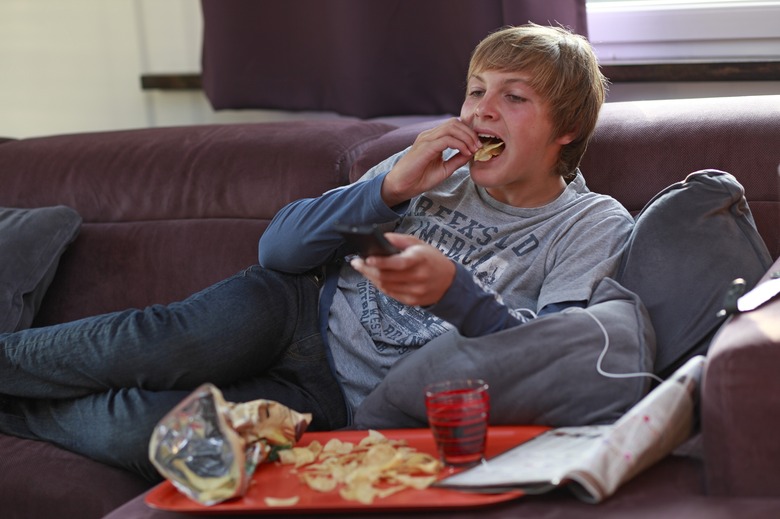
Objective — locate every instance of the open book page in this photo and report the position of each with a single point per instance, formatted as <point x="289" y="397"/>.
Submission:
<point x="536" y="466"/>
<point x="596" y="460"/>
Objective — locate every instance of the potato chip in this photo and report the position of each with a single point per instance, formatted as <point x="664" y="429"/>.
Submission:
<point x="382" y="456"/>
<point x="319" y="483"/>
<point x="488" y="151"/>
<point x="389" y="491"/>
<point x="281" y="501"/>
<point x="417" y="482"/>
<point x="338" y="447"/>
<point x="425" y="463"/>
<point x="373" y="438"/>
<point x="362" y="491"/>
<point x="300" y="456"/>
<point x="376" y="467"/>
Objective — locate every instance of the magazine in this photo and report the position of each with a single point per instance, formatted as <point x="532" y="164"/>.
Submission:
<point x="595" y="460"/>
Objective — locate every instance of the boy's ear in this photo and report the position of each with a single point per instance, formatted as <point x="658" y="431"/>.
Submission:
<point x="567" y="138"/>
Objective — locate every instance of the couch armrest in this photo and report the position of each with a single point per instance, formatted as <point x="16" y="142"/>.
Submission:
<point x="740" y="402"/>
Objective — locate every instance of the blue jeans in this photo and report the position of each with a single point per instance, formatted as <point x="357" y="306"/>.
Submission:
<point x="98" y="386"/>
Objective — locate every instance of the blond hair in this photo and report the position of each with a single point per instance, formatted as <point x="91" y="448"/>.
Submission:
<point x="563" y="70"/>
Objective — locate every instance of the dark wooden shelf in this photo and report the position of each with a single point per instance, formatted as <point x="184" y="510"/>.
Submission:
<point x="171" y="82"/>
<point x="628" y="73"/>
<point x="693" y="71"/>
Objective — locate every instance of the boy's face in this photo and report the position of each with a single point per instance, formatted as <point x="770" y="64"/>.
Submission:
<point x="502" y="104"/>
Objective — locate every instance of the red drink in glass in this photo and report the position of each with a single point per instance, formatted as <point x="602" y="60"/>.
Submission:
<point x="458" y="416"/>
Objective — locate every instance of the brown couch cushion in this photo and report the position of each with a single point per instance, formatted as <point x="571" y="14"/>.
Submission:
<point x="641" y="147"/>
<point x="41" y="480"/>
<point x="147" y="195"/>
<point x="389" y="144"/>
<point x="206" y="171"/>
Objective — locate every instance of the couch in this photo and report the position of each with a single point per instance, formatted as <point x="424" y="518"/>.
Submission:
<point x="167" y="211"/>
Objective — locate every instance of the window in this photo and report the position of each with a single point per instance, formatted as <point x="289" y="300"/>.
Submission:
<point x="662" y="31"/>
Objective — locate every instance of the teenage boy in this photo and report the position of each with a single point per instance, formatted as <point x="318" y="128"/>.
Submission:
<point x="485" y="245"/>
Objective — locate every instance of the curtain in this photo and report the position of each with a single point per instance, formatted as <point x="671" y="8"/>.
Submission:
<point x="363" y="58"/>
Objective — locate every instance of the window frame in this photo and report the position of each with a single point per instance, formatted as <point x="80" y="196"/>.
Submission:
<point x="663" y="31"/>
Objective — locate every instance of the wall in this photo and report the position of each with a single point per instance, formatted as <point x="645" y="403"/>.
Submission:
<point x="75" y="66"/>
<point x="68" y="66"/>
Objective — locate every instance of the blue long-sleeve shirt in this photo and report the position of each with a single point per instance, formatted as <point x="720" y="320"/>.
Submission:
<point x="301" y="237"/>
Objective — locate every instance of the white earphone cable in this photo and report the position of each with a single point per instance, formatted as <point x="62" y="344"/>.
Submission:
<point x="603" y="354"/>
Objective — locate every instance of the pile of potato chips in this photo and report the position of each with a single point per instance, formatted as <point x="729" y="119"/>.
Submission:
<point x="375" y="467"/>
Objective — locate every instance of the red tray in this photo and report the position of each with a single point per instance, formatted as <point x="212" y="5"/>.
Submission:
<point x="276" y="480"/>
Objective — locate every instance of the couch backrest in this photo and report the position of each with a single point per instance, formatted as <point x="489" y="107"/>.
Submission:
<point x="169" y="211"/>
<point x="639" y="148"/>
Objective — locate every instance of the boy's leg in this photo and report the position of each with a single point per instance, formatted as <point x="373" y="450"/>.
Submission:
<point x="114" y="426"/>
<point x="226" y="332"/>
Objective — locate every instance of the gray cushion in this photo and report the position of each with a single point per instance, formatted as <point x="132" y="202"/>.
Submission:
<point x="690" y="242"/>
<point x="31" y="244"/>
<point x="541" y="372"/>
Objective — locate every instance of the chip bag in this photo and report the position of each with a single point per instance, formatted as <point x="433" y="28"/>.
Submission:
<point x="209" y="449"/>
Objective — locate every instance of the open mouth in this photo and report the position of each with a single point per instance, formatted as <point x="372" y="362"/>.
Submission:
<point x="492" y="146"/>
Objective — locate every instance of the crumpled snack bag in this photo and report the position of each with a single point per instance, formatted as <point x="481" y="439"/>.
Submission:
<point x="209" y="449"/>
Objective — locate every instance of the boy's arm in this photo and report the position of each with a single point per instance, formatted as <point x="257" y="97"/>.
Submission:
<point x="301" y="236"/>
<point x="476" y="312"/>
<point x="473" y="310"/>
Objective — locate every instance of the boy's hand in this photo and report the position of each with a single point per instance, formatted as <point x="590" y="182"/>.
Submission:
<point x="417" y="276"/>
<point x="423" y="167"/>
